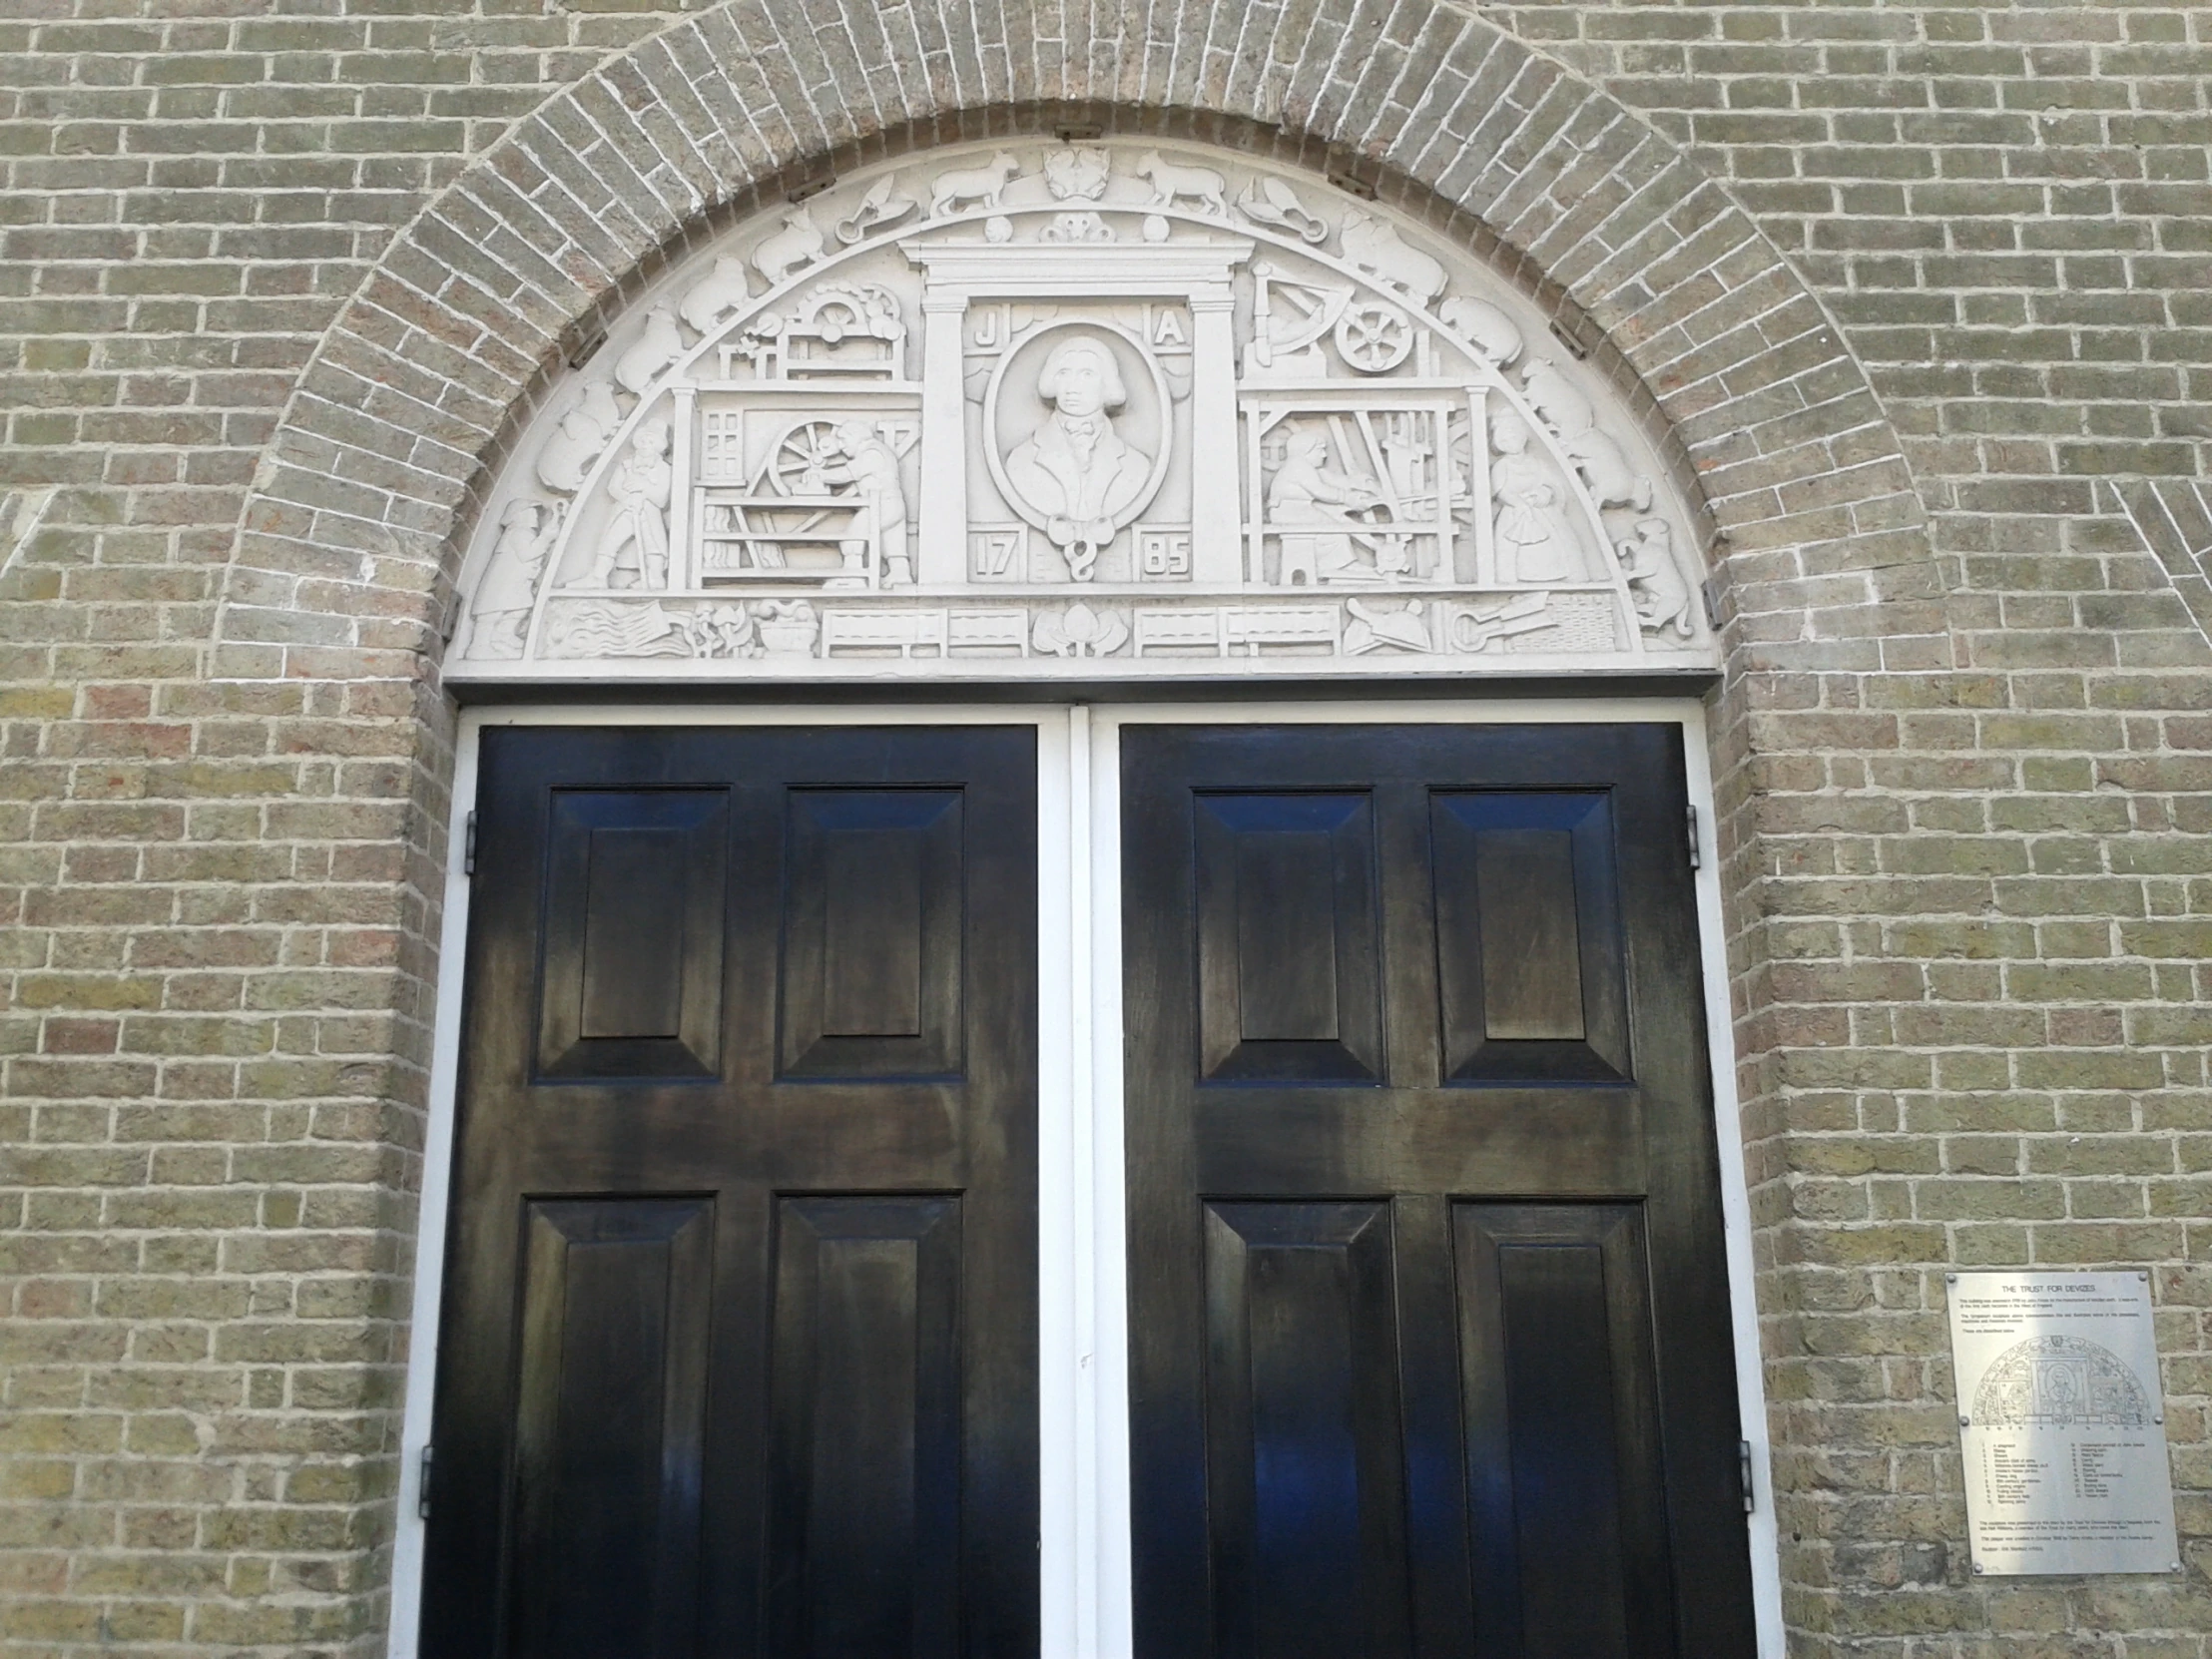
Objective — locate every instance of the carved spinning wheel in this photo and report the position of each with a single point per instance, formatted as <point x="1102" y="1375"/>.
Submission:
<point x="1373" y="338"/>
<point x="795" y="465"/>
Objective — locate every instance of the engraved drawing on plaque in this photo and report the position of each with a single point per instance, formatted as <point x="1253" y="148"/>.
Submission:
<point x="2061" y="1382"/>
<point x="1041" y="409"/>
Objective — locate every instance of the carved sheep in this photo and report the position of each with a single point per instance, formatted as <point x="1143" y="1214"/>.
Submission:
<point x="1483" y="326"/>
<point x="1611" y="479"/>
<point x="1555" y="397"/>
<point x="588" y="422"/>
<point x="716" y="296"/>
<point x="1172" y="183"/>
<point x="1375" y="247"/>
<point x="980" y="185"/>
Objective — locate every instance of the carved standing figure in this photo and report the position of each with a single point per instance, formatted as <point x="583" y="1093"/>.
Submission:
<point x="870" y="466"/>
<point x="1304" y="502"/>
<point x="499" y="611"/>
<point x="632" y="550"/>
<point x="1535" y="543"/>
<point x="1075" y="472"/>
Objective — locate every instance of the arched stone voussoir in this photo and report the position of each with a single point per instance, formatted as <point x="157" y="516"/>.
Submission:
<point x="1649" y="265"/>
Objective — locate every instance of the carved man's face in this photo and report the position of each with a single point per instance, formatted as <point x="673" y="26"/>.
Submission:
<point x="1081" y="384"/>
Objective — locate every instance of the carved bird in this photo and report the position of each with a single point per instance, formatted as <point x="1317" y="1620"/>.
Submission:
<point x="1272" y="203"/>
<point x="661" y="345"/>
<point x="882" y="206"/>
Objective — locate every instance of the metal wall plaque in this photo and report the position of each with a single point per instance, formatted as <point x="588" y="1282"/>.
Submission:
<point x="2061" y="1422"/>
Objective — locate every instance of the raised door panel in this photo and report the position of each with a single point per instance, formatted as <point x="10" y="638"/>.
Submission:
<point x="1563" y="1455"/>
<point x="1528" y="941"/>
<point x="611" y="1413"/>
<point x="1420" y="1325"/>
<point x="865" y="1412"/>
<point x="1306" y="1491"/>
<point x="630" y="974"/>
<point x="1288" y="939"/>
<point x="871" y="971"/>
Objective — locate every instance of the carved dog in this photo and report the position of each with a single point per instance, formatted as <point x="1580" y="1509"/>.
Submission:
<point x="980" y="185"/>
<point x="1172" y="183"/>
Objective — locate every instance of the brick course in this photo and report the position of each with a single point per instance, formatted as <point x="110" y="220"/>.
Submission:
<point x="1917" y="294"/>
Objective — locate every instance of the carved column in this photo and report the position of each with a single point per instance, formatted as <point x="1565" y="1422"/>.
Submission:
<point x="941" y="538"/>
<point x="1217" y="516"/>
<point x="682" y="562"/>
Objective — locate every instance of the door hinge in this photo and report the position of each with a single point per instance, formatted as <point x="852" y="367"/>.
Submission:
<point x="1743" y="1474"/>
<point x="1697" y="853"/>
<point x="423" y="1488"/>
<point x="468" y="843"/>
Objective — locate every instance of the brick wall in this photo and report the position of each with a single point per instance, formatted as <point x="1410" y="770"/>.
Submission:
<point x="1972" y="885"/>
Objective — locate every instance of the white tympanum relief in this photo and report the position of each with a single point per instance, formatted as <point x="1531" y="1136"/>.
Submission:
<point x="1063" y="410"/>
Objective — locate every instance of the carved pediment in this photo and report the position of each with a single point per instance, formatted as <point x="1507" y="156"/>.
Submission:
<point x="1040" y="411"/>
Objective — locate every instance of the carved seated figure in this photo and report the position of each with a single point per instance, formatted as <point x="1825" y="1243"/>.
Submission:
<point x="1306" y="498"/>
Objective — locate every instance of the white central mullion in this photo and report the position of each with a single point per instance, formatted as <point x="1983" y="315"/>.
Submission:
<point x="1063" y="1080"/>
<point x="1083" y="1311"/>
<point x="1106" y="1357"/>
<point x="1083" y="1323"/>
<point x="1082" y="1194"/>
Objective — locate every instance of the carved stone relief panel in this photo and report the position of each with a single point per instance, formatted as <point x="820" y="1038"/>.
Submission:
<point x="1049" y="410"/>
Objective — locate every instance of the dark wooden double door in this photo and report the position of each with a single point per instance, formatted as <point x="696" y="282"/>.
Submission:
<point x="1430" y="1350"/>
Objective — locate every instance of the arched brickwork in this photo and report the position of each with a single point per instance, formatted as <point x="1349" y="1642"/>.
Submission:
<point x="347" y="542"/>
<point x="347" y="546"/>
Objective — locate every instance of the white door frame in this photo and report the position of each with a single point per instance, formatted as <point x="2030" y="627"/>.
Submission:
<point x="1082" y="1303"/>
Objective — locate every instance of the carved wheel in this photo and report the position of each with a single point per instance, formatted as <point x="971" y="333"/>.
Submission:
<point x="795" y="467"/>
<point x="1373" y="337"/>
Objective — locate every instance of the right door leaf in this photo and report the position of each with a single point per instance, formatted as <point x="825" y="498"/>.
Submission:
<point x="1430" y="1351"/>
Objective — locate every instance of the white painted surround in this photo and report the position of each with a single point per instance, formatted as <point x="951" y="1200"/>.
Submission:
<point x="1085" y="1543"/>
